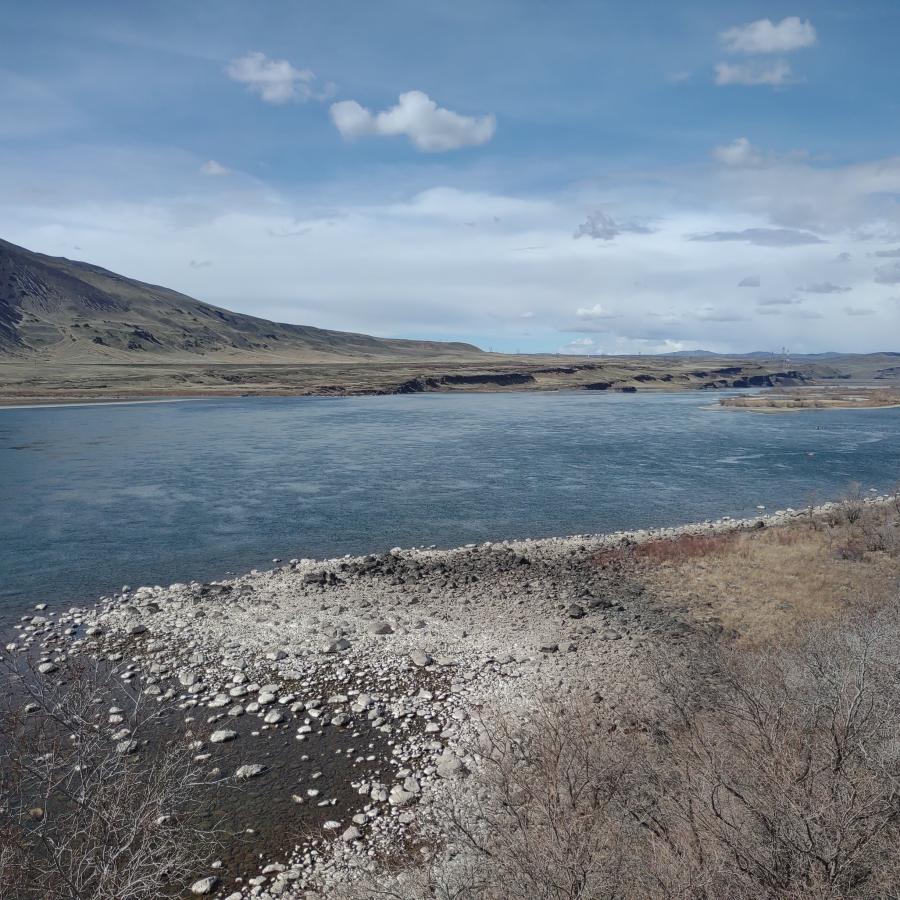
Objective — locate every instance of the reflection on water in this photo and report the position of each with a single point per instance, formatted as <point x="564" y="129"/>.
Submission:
<point x="94" y="496"/>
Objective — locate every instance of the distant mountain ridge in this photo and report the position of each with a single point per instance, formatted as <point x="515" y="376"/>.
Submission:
<point x="71" y="311"/>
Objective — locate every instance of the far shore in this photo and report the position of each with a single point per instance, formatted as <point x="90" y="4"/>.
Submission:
<point x="797" y="409"/>
<point x="45" y="402"/>
<point x="14" y="403"/>
<point x="808" y="397"/>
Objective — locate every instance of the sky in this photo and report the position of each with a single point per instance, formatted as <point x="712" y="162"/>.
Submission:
<point x="531" y="176"/>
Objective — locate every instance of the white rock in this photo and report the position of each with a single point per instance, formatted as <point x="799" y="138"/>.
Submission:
<point x="205" y="885"/>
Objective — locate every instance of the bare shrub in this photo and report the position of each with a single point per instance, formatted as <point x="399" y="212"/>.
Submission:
<point x="87" y="809"/>
<point x="552" y="814"/>
<point x="772" y="775"/>
<point x="853" y="504"/>
<point x="789" y="784"/>
<point x="880" y="533"/>
<point x="852" y="548"/>
<point x="866" y="529"/>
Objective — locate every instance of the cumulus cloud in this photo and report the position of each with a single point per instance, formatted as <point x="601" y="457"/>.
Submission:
<point x="824" y="287"/>
<point x="888" y="274"/>
<point x="213" y="168"/>
<point x="766" y="36"/>
<point x="578" y="347"/>
<point x="751" y="281"/>
<point x="276" y="80"/>
<point x="593" y="313"/>
<point x="738" y="153"/>
<point x="429" y="127"/>
<point x="844" y="257"/>
<point x="750" y="74"/>
<point x="199" y="263"/>
<point x="601" y="226"/>
<point x="762" y="237"/>
<point x="888" y="254"/>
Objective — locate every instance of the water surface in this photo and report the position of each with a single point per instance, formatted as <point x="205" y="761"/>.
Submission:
<point x="92" y="497"/>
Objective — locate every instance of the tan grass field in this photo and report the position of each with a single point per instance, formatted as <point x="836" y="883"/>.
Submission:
<point x="765" y="586"/>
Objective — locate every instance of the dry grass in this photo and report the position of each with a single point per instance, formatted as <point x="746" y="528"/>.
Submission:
<point x="763" y="585"/>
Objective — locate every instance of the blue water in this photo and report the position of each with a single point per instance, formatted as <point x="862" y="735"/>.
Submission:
<point x="92" y="497"/>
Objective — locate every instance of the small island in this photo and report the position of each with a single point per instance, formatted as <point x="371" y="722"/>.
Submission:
<point x="788" y="400"/>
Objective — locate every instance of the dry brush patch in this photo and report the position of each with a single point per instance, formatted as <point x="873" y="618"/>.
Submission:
<point x="776" y="774"/>
<point x="86" y="810"/>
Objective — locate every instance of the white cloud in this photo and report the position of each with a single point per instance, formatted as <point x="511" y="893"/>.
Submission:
<point x="751" y="281"/>
<point x="858" y="311"/>
<point x="211" y="167"/>
<point x="579" y="347"/>
<point x="276" y="80"/>
<point x="593" y="313"/>
<point x="765" y="36"/>
<point x="431" y="128"/>
<point x="773" y="74"/>
<point x="738" y="153"/>
<point x="888" y="254"/>
<point x="794" y="192"/>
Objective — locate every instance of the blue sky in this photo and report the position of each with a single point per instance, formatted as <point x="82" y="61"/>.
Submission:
<point x="579" y="177"/>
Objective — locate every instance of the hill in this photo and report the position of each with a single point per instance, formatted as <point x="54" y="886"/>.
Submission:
<point x="69" y="311"/>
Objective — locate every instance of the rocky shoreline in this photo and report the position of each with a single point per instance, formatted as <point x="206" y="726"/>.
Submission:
<point x="341" y="693"/>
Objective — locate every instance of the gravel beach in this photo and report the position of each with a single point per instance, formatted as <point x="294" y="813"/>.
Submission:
<point x="336" y="696"/>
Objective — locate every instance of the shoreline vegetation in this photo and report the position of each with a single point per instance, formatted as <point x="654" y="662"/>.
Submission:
<point x="790" y="400"/>
<point x="374" y="726"/>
